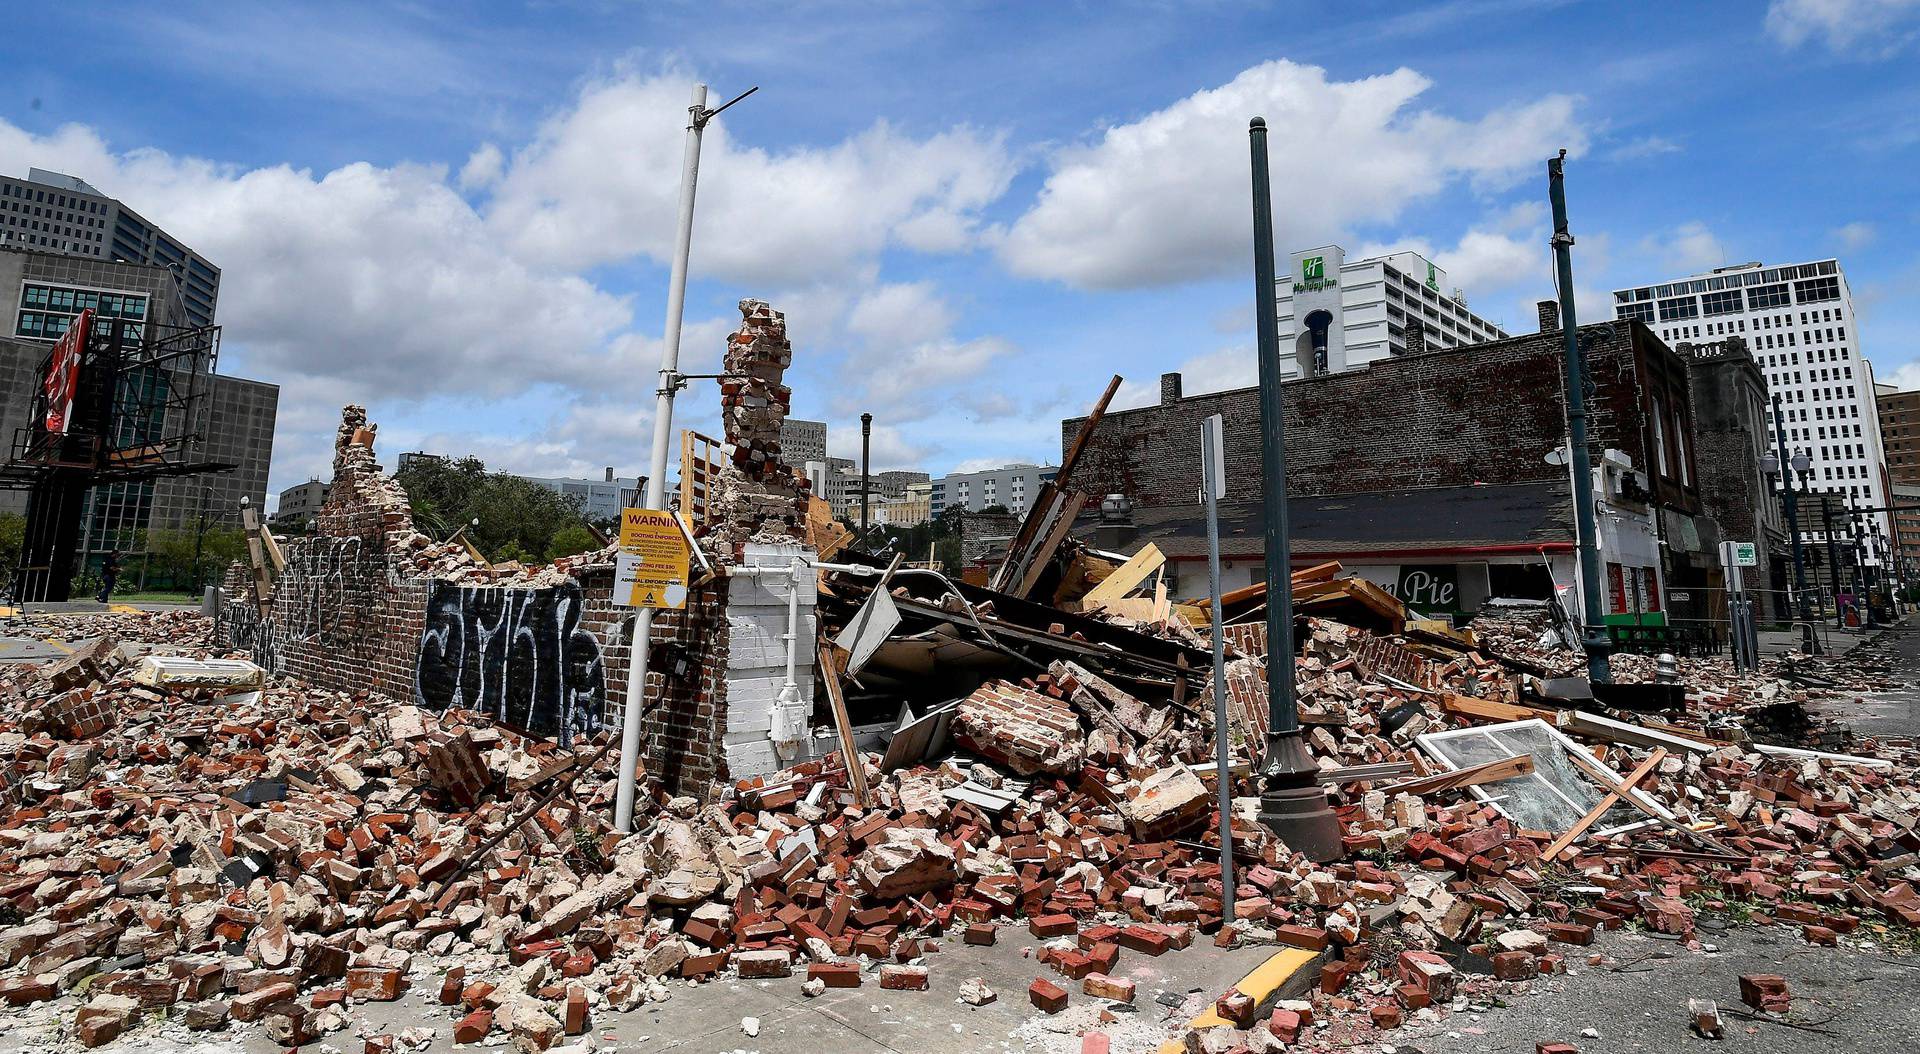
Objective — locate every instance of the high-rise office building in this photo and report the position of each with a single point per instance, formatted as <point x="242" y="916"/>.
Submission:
<point x="41" y="293"/>
<point x="1338" y="315"/>
<point x="1799" y="325"/>
<point x="802" y="441"/>
<point x="51" y="212"/>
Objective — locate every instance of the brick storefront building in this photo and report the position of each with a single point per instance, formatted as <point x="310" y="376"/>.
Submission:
<point x="1730" y="410"/>
<point x="1483" y="414"/>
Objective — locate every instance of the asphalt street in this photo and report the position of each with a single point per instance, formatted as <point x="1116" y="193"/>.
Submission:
<point x="1844" y="999"/>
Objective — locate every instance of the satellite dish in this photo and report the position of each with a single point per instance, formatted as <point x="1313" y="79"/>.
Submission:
<point x="1557" y="456"/>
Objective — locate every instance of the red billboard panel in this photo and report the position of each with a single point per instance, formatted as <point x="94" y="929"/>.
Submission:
<point x="63" y="373"/>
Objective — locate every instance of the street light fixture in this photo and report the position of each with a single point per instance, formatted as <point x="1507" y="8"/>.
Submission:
<point x="1799" y="462"/>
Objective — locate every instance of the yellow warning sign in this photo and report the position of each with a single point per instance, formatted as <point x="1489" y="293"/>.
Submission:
<point x="651" y="570"/>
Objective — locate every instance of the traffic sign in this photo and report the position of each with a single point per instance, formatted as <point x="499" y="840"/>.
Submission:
<point x="651" y="568"/>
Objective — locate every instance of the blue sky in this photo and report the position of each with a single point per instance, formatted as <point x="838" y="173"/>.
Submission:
<point x="458" y="214"/>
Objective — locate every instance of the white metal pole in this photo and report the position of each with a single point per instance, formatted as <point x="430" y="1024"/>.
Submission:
<point x="657" y="464"/>
<point x="1211" y="475"/>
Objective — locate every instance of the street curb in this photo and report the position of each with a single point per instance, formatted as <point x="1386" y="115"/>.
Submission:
<point x="1288" y="974"/>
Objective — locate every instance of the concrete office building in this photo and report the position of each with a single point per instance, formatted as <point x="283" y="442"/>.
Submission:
<point x="40" y="295"/>
<point x="802" y="441"/>
<point x="298" y="504"/>
<point x="1012" y="486"/>
<point x="1798" y="322"/>
<point x="51" y="212"/>
<point x="600" y="499"/>
<point x="1337" y="315"/>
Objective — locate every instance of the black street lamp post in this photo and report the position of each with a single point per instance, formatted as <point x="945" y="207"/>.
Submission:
<point x="1292" y="803"/>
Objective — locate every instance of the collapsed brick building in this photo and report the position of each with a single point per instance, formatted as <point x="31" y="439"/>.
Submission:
<point x="370" y="603"/>
<point x="1462" y="419"/>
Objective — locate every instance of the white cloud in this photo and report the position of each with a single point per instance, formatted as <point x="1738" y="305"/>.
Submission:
<point x="1165" y="198"/>
<point x="600" y="183"/>
<point x="1644" y="147"/>
<point x="1856" y="235"/>
<point x="901" y="314"/>
<point x="483" y="168"/>
<point x="1905" y="376"/>
<point x="1849" y="28"/>
<point x="1688" y="248"/>
<point x="360" y="283"/>
<point x="386" y="286"/>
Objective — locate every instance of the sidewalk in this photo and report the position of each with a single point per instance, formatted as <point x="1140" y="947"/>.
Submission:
<point x="1833" y="640"/>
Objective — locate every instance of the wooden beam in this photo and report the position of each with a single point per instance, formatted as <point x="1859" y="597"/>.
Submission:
<point x="1072" y="457"/>
<point x="1489" y="710"/>
<point x="856" y="771"/>
<point x="262" y="590"/>
<point x="1138" y="568"/>
<point x="1471" y="776"/>
<point x="1036" y="564"/>
<point x="1305" y="576"/>
<point x="1606" y="777"/>
<point x="274" y="555"/>
<point x="1565" y="841"/>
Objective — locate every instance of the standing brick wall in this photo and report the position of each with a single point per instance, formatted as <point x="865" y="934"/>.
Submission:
<point x="1482" y="413"/>
<point x="349" y="610"/>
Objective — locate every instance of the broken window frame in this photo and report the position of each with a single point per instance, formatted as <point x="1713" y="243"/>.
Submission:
<point x="1433" y="744"/>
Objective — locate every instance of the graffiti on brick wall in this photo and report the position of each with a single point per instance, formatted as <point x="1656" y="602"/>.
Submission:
<point x="519" y="655"/>
<point x="253" y="633"/>
<point x="325" y="594"/>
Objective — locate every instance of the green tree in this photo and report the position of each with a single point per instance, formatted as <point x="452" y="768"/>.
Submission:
<point x="568" y="541"/>
<point x="170" y="554"/>
<point x="517" y="519"/>
<point x="13" y="536"/>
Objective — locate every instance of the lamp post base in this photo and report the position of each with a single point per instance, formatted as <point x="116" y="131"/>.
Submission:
<point x="1293" y="805"/>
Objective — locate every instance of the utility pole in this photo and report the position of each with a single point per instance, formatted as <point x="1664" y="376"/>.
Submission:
<point x="1292" y="804"/>
<point x="1595" y="631"/>
<point x="866" y="487"/>
<point x="671" y="381"/>
<point x="199" y="536"/>
<point x="1791" y="499"/>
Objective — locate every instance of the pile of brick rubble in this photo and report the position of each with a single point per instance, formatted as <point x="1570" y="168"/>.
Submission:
<point x="278" y="859"/>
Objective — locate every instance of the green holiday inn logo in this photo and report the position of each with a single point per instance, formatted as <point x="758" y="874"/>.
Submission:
<point x="1433" y="281"/>
<point x="1313" y="275"/>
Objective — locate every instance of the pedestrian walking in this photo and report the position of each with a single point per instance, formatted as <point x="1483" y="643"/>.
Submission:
<point x="109" y="574"/>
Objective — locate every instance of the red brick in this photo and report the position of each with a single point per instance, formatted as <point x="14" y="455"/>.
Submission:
<point x="1101" y="986"/>
<point x="1048" y="926"/>
<point x="835" y="975"/>
<point x="474" y="1027"/>
<point x="1312" y="938"/>
<point x="1047" y="996"/>
<point x="900" y="978"/>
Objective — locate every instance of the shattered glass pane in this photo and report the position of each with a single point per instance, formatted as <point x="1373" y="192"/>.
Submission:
<point x="1552" y="798"/>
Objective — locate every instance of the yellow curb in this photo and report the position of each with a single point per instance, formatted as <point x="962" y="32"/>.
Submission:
<point x="7" y="612"/>
<point x="1264" y="980"/>
<point x="122" y="609"/>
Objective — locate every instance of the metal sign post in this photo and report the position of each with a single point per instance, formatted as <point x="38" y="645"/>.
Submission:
<point x="1213" y="483"/>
